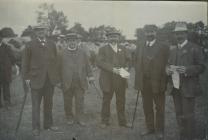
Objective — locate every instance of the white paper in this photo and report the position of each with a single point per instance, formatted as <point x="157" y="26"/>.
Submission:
<point x="175" y="76"/>
<point x="124" y="73"/>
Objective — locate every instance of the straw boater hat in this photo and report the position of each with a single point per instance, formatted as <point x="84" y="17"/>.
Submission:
<point x="39" y="27"/>
<point x="72" y="36"/>
<point x="180" y="27"/>
<point x="113" y="33"/>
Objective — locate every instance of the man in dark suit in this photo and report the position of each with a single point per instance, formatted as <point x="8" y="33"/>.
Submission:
<point x="7" y="60"/>
<point x="187" y="57"/>
<point x="150" y="78"/>
<point x="111" y="59"/>
<point x="39" y="69"/>
<point x="74" y="70"/>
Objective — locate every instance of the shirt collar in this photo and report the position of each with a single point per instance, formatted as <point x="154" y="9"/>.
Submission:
<point x="150" y="43"/>
<point x="114" y="47"/>
<point x="70" y="49"/>
<point x="183" y="44"/>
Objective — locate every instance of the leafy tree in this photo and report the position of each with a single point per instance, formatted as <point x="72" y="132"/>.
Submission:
<point x="48" y="15"/>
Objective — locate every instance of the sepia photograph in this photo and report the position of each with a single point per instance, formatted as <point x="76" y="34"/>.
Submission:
<point x="103" y="70"/>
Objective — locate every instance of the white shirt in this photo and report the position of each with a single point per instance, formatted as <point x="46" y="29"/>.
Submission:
<point x="183" y="44"/>
<point x="114" y="47"/>
<point x="150" y="43"/>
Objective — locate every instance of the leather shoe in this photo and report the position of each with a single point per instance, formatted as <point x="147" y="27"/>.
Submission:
<point x="127" y="125"/>
<point x="53" y="128"/>
<point x="160" y="136"/>
<point x="36" y="132"/>
<point x="103" y="125"/>
<point x="147" y="132"/>
<point x="81" y="123"/>
<point x="70" y="122"/>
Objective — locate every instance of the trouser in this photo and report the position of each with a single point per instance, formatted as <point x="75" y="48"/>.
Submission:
<point x="46" y="92"/>
<point x="78" y="93"/>
<point x="120" y="105"/>
<point x="149" y="98"/>
<point x="4" y="89"/>
<point x="184" y="107"/>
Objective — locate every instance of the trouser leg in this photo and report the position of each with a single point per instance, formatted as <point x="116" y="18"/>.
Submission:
<point x="0" y="94"/>
<point x="189" y="117"/>
<point x="177" y="98"/>
<point x="48" y="104"/>
<point x="68" y="101"/>
<point x="120" y="106"/>
<point x="147" y="99"/>
<point x="6" y="93"/>
<point x="159" y="100"/>
<point x="105" y="112"/>
<point x="79" y="103"/>
<point x="36" y="101"/>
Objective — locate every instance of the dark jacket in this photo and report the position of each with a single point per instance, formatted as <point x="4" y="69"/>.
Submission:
<point x="7" y="59"/>
<point x="106" y="64"/>
<point x="191" y="57"/>
<point x="39" y="61"/>
<point x="67" y="65"/>
<point x="157" y="73"/>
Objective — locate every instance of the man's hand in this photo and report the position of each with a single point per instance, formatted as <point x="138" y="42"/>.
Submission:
<point x="168" y="70"/>
<point x="181" y="69"/>
<point x="91" y="80"/>
<point x="116" y="71"/>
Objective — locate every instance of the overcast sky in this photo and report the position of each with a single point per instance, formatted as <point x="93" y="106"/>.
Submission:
<point x="126" y="16"/>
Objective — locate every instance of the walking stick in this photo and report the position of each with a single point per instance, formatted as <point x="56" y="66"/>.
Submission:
<point x="97" y="90"/>
<point x="26" y="90"/>
<point x="135" y="109"/>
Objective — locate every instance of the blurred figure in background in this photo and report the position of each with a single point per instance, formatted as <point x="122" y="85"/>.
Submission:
<point x="7" y="60"/>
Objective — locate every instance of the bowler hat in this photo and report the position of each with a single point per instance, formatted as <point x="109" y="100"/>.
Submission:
<point x="150" y="28"/>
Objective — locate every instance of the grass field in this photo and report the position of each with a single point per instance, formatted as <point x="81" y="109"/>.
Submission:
<point x="8" y="118"/>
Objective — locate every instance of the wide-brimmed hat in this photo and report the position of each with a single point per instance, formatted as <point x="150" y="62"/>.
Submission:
<point x="40" y="27"/>
<point x="180" y="27"/>
<point x="113" y="33"/>
<point x="7" y="32"/>
<point x="72" y="36"/>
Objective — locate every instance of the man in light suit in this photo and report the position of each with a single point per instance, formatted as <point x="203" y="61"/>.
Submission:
<point x="74" y="70"/>
<point x="188" y="58"/>
<point x="39" y="69"/>
<point x="111" y="58"/>
<point x="150" y="78"/>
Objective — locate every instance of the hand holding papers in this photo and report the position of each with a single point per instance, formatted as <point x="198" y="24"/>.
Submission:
<point x="175" y="76"/>
<point x="122" y="72"/>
